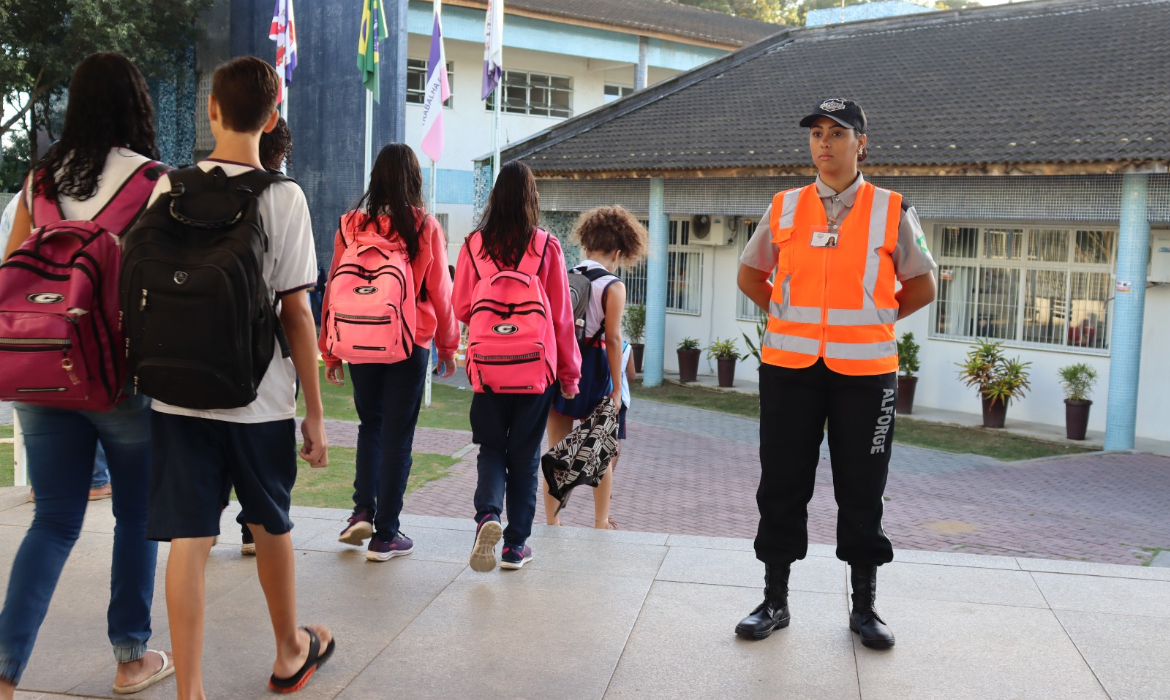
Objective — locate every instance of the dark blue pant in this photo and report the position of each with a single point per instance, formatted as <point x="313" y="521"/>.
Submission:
<point x="61" y="446"/>
<point x="388" y="398"/>
<point x="508" y="429"/>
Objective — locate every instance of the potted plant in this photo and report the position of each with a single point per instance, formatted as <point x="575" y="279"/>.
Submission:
<point x="907" y="366"/>
<point x="688" y="359"/>
<point x="754" y="349"/>
<point x="725" y="354"/>
<point x="1077" y="381"/>
<point x="998" y="379"/>
<point x="634" y="327"/>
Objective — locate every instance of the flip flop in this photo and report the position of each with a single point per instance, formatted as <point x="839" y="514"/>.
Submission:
<point x="314" y="661"/>
<point x="168" y="669"/>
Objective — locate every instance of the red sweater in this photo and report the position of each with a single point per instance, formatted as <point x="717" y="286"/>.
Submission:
<point x="561" y="337"/>
<point x="434" y="319"/>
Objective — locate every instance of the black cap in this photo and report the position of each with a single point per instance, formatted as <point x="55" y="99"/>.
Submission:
<point x="847" y="113"/>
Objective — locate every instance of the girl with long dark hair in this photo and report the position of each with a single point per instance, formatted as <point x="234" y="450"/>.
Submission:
<point x="105" y="156"/>
<point x="508" y="427"/>
<point x="388" y="224"/>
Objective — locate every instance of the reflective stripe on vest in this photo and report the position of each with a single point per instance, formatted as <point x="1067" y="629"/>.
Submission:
<point x="834" y="303"/>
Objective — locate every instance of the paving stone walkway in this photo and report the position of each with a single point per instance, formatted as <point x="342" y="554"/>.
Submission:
<point x="690" y="471"/>
<point x="616" y="615"/>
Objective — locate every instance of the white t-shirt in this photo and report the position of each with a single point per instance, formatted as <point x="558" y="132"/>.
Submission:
<point x="120" y="165"/>
<point x="627" y="351"/>
<point x="290" y="266"/>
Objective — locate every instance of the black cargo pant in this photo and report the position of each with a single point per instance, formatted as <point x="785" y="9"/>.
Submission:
<point x="794" y="406"/>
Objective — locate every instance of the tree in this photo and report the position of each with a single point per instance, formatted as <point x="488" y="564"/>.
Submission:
<point x="775" y="11"/>
<point x="42" y="41"/>
<point x="956" y="4"/>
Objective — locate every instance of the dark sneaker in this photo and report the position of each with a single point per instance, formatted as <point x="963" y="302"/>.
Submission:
<point x="487" y="535"/>
<point x="359" y="529"/>
<point x="514" y="557"/>
<point x="381" y="550"/>
<point x="247" y="542"/>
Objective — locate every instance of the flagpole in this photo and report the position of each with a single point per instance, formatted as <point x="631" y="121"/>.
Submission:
<point x="369" y="138"/>
<point x="433" y="200"/>
<point x="496" y="130"/>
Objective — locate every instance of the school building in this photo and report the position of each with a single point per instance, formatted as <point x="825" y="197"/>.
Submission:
<point x="1033" y="139"/>
<point x="562" y="58"/>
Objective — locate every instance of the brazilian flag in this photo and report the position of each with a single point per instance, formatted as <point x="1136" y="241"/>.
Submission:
<point x="373" y="31"/>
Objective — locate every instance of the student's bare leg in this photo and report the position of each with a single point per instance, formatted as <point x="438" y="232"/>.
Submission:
<point x="558" y="427"/>
<point x="275" y="567"/>
<point x="185" y="599"/>
<point x="603" y="493"/>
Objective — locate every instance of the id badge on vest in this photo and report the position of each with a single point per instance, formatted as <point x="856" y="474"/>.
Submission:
<point x="824" y="236"/>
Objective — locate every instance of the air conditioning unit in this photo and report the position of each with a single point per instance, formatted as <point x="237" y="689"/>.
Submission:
<point x="712" y="230"/>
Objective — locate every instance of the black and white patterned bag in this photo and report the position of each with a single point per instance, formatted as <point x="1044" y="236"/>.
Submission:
<point x="583" y="457"/>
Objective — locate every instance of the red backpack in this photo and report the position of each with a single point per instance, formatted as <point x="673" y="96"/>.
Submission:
<point x="509" y="321"/>
<point x="61" y="337"/>
<point x="372" y="306"/>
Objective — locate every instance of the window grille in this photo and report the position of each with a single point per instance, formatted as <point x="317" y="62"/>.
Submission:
<point x="746" y="309"/>
<point x="416" y="81"/>
<point x="535" y="94"/>
<point x="684" y="274"/>
<point x="1033" y="287"/>
<point x="204" y="140"/>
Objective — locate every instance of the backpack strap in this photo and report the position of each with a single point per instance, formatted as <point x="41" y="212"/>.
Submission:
<point x="526" y="261"/>
<point x="44" y="211"/>
<point x="128" y="203"/>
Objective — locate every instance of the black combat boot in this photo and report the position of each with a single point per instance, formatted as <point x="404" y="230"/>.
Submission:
<point x="864" y="620"/>
<point x="772" y="614"/>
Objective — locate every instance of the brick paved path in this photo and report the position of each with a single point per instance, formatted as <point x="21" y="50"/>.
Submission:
<point x="690" y="471"/>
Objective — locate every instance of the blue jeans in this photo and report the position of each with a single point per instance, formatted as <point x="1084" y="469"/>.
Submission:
<point x="101" y="469"/>
<point x="508" y="429"/>
<point x="388" y="399"/>
<point x="61" y="446"/>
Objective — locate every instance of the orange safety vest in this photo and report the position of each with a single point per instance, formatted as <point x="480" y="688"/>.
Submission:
<point x="836" y="303"/>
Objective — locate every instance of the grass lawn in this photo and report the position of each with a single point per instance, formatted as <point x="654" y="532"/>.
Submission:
<point x="449" y="406"/>
<point x="7" y="463"/>
<point x="332" y="487"/>
<point x="950" y="438"/>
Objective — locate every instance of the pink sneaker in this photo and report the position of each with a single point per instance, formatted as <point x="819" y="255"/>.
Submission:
<point x="359" y="529"/>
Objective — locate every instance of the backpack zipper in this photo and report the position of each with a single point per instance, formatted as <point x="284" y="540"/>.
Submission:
<point x="507" y="359"/>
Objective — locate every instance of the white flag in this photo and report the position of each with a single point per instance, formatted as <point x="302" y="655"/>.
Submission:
<point x="493" y="49"/>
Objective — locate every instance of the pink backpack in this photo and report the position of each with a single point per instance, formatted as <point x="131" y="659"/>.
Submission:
<point x="371" y="314"/>
<point x="61" y="337"/>
<point x="509" y="322"/>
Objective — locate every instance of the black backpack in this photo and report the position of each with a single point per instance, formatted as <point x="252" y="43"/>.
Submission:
<point x="200" y="324"/>
<point x="581" y="281"/>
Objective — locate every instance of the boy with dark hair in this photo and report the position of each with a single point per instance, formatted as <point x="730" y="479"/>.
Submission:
<point x="254" y="446"/>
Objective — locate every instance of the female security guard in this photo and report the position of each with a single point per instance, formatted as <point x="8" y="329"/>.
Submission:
<point x="836" y="247"/>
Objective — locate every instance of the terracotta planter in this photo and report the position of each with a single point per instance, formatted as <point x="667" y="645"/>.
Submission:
<point x="726" y="371"/>
<point x="993" y="413"/>
<point x="906" y="394"/>
<point x="688" y="365"/>
<point x="639" y="352"/>
<point x="1076" y="419"/>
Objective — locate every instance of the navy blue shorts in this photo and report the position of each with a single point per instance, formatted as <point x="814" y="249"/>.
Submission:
<point x="196" y="459"/>
<point x="622" y="423"/>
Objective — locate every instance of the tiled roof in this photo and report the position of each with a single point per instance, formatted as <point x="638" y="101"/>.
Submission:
<point x="654" y="16"/>
<point x="997" y="89"/>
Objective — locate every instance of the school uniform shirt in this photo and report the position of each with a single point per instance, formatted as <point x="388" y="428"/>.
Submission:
<point x="121" y="163"/>
<point x="561" y="338"/>
<point x="289" y="266"/>
<point x="434" y="317"/>
<point x="911" y="256"/>
<point x="627" y="352"/>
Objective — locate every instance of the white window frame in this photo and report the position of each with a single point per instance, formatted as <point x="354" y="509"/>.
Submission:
<point x="511" y="81"/>
<point x="745" y="308"/>
<point x="622" y="91"/>
<point x="635" y="278"/>
<point x="417" y="65"/>
<point x="1023" y="270"/>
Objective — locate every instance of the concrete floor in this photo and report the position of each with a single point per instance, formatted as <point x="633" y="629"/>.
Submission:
<point x="628" y="615"/>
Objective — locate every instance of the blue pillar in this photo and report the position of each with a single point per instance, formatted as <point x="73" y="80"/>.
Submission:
<point x="1133" y="257"/>
<point x="390" y="122"/>
<point x="656" y="285"/>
